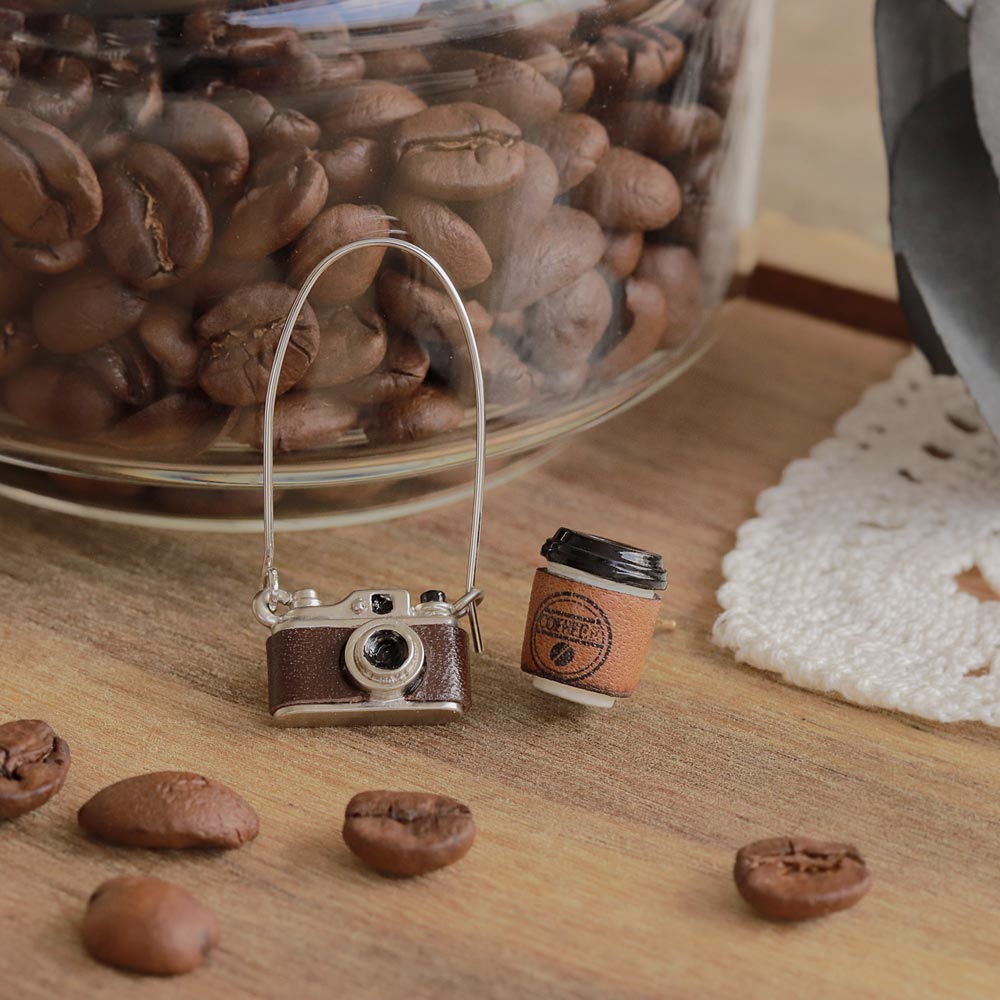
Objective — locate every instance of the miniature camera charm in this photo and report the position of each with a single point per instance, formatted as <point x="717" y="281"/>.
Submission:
<point x="373" y="658"/>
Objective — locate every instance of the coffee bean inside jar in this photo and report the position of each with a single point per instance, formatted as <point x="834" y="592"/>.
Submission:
<point x="168" y="181"/>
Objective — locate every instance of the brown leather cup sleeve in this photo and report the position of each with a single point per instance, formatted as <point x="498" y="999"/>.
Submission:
<point x="586" y="636"/>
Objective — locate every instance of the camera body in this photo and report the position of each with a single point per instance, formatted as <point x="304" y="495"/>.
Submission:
<point x="373" y="658"/>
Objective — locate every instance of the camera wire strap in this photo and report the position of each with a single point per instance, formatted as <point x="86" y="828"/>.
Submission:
<point x="271" y="591"/>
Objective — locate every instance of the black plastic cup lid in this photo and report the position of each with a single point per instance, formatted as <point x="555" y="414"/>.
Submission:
<point x="606" y="559"/>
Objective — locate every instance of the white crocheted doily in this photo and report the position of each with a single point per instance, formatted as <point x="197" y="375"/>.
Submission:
<point x="871" y="569"/>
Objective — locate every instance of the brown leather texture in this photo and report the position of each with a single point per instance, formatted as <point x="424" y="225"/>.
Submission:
<point x="305" y="666"/>
<point x="585" y="636"/>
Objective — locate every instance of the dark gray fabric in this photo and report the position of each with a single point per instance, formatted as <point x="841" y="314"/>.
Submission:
<point x="920" y="43"/>
<point x="944" y="191"/>
<point x="984" y="60"/>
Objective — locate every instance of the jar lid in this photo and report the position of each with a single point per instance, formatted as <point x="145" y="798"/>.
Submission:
<point x="607" y="559"/>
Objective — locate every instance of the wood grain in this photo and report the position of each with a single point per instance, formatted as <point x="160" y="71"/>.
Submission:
<point x="606" y="840"/>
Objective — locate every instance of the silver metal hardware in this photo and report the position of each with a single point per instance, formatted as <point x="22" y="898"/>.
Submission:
<point x="272" y="603"/>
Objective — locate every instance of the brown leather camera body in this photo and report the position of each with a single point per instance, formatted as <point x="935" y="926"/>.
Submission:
<point x="306" y="670"/>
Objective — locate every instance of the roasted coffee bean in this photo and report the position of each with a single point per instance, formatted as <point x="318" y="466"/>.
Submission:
<point x="515" y="89"/>
<point x="621" y="256"/>
<point x="675" y="271"/>
<point x="555" y="29"/>
<point x="85" y="308"/>
<point x="50" y="190"/>
<point x="270" y="59"/>
<point x="219" y="276"/>
<point x="10" y="66"/>
<point x="352" y="343"/>
<point x="157" y="226"/>
<point x="545" y="259"/>
<point x="43" y="258"/>
<point x="180" y="425"/>
<point x="169" y="809"/>
<point x="501" y="221"/>
<point x="285" y="192"/>
<point x="148" y="926"/>
<point x="794" y="878"/>
<point x="58" y="92"/>
<point x="506" y="378"/>
<point x="331" y="229"/>
<point x="355" y="168"/>
<point x="17" y="345"/>
<point x="34" y="763"/>
<point x="629" y="191"/>
<point x="445" y="235"/>
<point x="16" y="288"/>
<point x="567" y="324"/>
<point x="422" y="414"/>
<point x="428" y="313"/>
<point x="660" y="130"/>
<point x="126" y="369"/>
<point x="368" y="107"/>
<point x="240" y="335"/>
<point x="458" y="152"/>
<point x="576" y="144"/>
<point x="61" y="399"/>
<point x="266" y="127"/>
<point x="643" y="324"/>
<point x="167" y="333"/>
<point x="209" y="141"/>
<point x="302" y="420"/>
<point x="563" y="66"/>
<point x="402" y="371"/>
<point x="408" y="833"/>
<point x="395" y="63"/>
<point x="634" y="60"/>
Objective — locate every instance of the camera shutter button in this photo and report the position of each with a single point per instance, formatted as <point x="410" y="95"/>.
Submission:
<point x="432" y="595"/>
<point x="305" y="599"/>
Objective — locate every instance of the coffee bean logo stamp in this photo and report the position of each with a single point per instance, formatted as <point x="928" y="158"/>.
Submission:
<point x="571" y="637"/>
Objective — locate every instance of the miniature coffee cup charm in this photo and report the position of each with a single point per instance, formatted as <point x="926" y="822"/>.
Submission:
<point x="592" y="614"/>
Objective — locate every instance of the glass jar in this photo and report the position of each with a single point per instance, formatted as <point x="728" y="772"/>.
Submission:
<point x="170" y="174"/>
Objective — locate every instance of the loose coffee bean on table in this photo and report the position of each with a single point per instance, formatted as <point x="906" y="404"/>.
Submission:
<point x="34" y="763"/>
<point x="795" y="878"/>
<point x="148" y="926"/>
<point x="170" y="809"/>
<point x="408" y="833"/>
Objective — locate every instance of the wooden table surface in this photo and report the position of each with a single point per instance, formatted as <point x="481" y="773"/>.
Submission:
<point x="602" y="867"/>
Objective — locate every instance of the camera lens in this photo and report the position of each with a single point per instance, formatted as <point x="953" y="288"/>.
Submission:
<point x="386" y="650"/>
